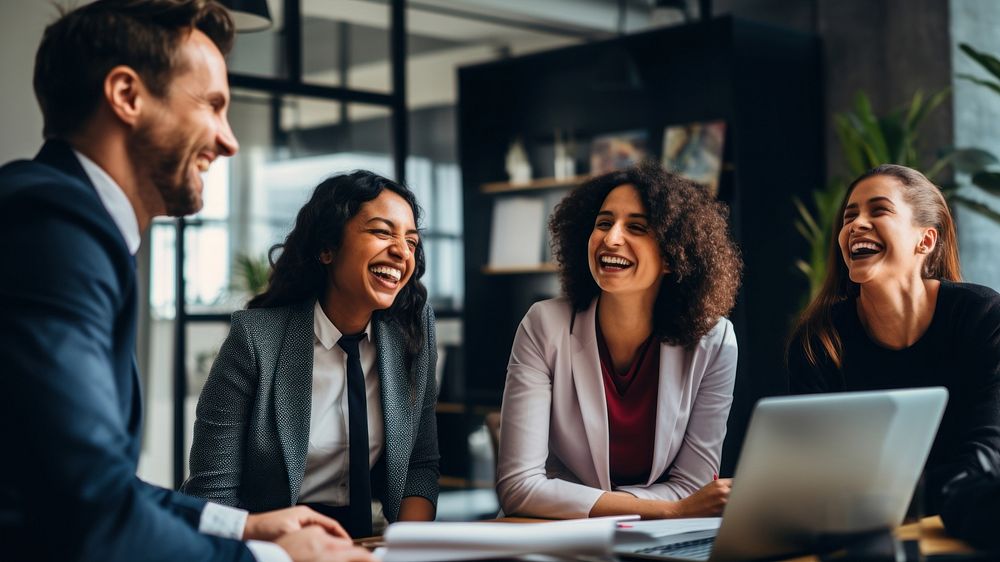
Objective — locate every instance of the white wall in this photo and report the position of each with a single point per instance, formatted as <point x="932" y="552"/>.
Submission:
<point x="21" y="26"/>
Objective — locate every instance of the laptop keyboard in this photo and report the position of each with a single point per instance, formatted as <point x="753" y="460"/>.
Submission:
<point x="697" y="549"/>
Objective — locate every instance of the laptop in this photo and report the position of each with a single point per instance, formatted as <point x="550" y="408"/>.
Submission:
<point x="815" y="471"/>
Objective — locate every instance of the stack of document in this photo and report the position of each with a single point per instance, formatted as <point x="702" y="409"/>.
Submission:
<point x="661" y="528"/>
<point x="441" y="542"/>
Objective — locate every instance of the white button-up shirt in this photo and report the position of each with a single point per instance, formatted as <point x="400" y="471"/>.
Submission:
<point x="328" y="460"/>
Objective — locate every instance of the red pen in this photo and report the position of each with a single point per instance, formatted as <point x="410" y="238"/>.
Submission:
<point x="715" y="476"/>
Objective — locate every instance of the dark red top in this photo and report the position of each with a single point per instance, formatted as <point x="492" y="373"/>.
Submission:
<point x="632" y="398"/>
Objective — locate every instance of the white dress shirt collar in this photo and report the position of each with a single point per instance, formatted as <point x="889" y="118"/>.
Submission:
<point x="114" y="200"/>
<point x="328" y="334"/>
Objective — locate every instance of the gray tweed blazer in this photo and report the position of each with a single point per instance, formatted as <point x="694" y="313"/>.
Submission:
<point x="251" y="434"/>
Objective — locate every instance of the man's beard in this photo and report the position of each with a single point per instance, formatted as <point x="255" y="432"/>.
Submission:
<point x="162" y="157"/>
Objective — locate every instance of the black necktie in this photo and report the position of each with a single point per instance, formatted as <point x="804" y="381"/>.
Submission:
<point x="359" y="485"/>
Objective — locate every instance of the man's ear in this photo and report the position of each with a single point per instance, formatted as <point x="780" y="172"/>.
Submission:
<point x="124" y="92"/>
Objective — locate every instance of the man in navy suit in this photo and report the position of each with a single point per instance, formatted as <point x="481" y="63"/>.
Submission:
<point x="134" y="97"/>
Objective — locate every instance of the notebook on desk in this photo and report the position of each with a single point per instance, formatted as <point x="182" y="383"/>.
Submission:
<point x="815" y="470"/>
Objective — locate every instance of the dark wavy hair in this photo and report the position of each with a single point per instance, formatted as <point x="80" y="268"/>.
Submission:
<point x="815" y="330"/>
<point x="80" y="48"/>
<point x="693" y="235"/>
<point x="298" y="276"/>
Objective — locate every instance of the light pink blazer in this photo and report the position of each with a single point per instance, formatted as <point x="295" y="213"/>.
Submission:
<point x="553" y="459"/>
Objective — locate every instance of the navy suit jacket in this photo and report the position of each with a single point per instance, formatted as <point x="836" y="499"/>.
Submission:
<point x="71" y="407"/>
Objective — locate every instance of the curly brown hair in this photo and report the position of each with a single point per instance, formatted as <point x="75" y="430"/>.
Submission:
<point x="693" y="235"/>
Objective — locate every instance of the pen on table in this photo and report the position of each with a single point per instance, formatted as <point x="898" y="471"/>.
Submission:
<point x="622" y="518"/>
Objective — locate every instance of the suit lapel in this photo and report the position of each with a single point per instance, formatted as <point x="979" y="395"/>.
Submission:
<point x="293" y="393"/>
<point x="589" y="385"/>
<point x="394" y="380"/>
<point x="668" y="402"/>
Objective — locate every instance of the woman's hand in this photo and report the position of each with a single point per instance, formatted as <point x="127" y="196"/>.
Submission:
<point x="708" y="501"/>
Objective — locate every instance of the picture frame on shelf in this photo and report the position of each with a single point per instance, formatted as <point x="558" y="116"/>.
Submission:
<point x="617" y="151"/>
<point x="694" y="151"/>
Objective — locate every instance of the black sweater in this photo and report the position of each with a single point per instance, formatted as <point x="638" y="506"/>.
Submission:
<point x="959" y="351"/>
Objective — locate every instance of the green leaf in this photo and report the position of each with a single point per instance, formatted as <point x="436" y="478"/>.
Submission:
<point x="988" y="62"/>
<point x="971" y="160"/>
<point x="251" y="274"/>
<point x="803" y="230"/>
<point x="807" y="219"/>
<point x="803" y="267"/>
<point x="896" y="141"/>
<point x="981" y="208"/>
<point x="873" y="137"/>
<point x="850" y="144"/>
<point x="988" y="181"/>
<point x="991" y="85"/>
<point x="938" y="165"/>
<point x="925" y="109"/>
<point x="915" y="105"/>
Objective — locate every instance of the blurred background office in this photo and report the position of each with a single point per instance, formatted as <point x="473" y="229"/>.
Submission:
<point x="801" y="88"/>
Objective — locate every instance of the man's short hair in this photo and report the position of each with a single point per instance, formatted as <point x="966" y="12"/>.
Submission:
<point x="83" y="45"/>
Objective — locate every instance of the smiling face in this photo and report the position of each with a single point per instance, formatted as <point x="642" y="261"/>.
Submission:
<point x="376" y="256"/>
<point x="623" y="253"/>
<point x="879" y="239"/>
<point x="187" y="129"/>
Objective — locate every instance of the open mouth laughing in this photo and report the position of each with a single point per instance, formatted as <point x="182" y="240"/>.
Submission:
<point x="864" y="249"/>
<point x="388" y="275"/>
<point x="203" y="161"/>
<point x="610" y="262"/>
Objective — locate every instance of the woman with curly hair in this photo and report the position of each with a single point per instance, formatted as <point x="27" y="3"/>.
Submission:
<point x="323" y="394"/>
<point x="893" y="313"/>
<point x="617" y="395"/>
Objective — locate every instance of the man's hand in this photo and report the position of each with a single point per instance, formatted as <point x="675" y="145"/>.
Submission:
<point x="271" y="525"/>
<point x="313" y="544"/>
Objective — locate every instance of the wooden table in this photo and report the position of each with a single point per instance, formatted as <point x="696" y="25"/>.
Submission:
<point x="930" y="530"/>
<point x="933" y="539"/>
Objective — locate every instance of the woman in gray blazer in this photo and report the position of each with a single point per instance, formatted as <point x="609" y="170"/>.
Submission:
<point x="323" y="393"/>
<point x="617" y="395"/>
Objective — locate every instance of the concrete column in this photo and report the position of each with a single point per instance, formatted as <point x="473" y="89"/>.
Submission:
<point x="976" y="123"/>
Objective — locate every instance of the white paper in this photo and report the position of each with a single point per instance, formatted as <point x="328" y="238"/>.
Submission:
<point x="426" y="542"/>
<point x="518" y="231"/>
<point x="668" y="527"/>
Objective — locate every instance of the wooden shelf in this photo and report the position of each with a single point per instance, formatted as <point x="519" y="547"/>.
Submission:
<point x="456" y="482"/>
<point x="540" y="183"/>
<point x="450" y="408"/>
<point x="460" y="408"/>
<point x="520" y="269"/>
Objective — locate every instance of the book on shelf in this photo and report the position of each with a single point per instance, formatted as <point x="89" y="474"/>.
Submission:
<point x="517" y="235"/>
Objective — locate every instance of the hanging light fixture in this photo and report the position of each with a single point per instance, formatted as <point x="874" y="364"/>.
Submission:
<point x="249" y="15"/>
